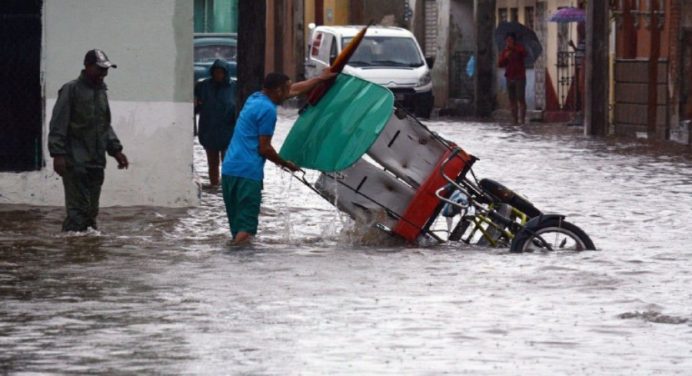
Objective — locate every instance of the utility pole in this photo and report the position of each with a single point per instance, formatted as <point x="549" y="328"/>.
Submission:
<point x="597" y="69"/>
<point x="655" y="52"/>
<point x="251" y="43"/>
<point x="299" y="39"/>
<point x="484" y="92"/>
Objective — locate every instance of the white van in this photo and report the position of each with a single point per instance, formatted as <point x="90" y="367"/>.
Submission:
<point x="388" y="56"/>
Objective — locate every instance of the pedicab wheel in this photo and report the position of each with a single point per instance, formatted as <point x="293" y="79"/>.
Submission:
<point x="559" y="235"/>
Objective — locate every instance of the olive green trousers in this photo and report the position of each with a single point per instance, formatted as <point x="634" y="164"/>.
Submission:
<point x="82" y="193"/>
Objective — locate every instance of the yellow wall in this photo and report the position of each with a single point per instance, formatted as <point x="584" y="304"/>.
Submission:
<point x="309" y="11"/>
<point x="309" y="8"/>
<point x="336" y="12"/>
<point x="338" y="9"/>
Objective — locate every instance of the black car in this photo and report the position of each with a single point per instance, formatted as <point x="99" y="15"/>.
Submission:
<point x="209" y="47"/>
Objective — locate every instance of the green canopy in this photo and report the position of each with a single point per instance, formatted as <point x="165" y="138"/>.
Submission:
<point x="335" y="133"/>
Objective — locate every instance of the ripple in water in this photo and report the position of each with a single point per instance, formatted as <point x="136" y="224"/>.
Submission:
<point x="159" y="290"/>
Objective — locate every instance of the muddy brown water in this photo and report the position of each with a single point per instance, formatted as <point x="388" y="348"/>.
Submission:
<point x="160" y="290"/>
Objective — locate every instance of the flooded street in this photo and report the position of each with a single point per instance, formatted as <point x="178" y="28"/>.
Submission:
<point x="161" y="291"/>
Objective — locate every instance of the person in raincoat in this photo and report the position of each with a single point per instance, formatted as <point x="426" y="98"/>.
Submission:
<point x="215" y="104"/>
<point x="80" y="135"/>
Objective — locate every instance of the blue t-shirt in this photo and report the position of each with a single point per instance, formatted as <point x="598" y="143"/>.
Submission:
<point x="258" y="118"/>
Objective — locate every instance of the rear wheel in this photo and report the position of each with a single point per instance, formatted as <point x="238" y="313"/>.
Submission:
<point x="553" y="234"/>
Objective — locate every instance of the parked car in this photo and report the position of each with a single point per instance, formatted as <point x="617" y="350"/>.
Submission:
<point x="388" y="56"/>
<point x="209" y="47"/>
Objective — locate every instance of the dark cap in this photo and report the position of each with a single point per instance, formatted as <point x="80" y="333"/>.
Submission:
<point x="99" y="58"/>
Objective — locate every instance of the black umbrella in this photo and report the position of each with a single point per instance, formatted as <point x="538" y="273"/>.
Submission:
<point x="525" y="36"/>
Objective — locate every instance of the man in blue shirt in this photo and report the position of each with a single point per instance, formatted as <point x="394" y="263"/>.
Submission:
<point x="243" y="165"/>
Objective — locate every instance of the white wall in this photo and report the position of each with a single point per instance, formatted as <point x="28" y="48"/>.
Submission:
<point x="150" y="95"/>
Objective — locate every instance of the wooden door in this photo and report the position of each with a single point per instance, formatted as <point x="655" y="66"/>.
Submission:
<point x="686" y="79"/>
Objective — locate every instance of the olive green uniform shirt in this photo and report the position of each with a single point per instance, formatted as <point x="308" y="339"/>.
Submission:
<point x="80" y="129"/>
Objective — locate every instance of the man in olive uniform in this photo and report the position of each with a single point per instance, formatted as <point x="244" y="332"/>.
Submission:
<point x="80" y="135"/>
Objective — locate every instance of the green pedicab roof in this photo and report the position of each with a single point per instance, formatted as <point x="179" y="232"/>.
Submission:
<point x="334" y="134"/>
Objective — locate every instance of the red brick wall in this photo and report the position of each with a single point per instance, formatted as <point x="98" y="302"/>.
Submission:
<point x="631" y="92"/>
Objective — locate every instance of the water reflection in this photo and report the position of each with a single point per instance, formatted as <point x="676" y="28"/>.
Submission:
<point x="161" y="291"/>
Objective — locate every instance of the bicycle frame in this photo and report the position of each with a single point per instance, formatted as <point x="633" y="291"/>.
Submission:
<point x="479" y="220"/>
<point x="484" y="206"/>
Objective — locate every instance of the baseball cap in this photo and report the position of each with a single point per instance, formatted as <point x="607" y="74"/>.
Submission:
<point x="99" y="58"/>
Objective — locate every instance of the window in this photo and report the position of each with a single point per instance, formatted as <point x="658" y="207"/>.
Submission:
<point x="325" y="47"/>
<point x="333" y="53"/>
<point x="386" y="51"/>
<point x="562" y="36"/>
<point x="211" y="52"/>
<point x="21" y="105"/>
<point x="529" y="17"/>
<point x="514" y="14"/>
<point x="563" y="52"/>
<point x="316" y="42"/>
<point x="502" y="15"/>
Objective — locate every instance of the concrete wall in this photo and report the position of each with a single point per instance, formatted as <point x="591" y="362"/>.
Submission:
<point x="463" y="23"/>
<point x="150" y="95"/>
<point x="390" y="13"/>
<point x="440" y="71"/>
<point x="455" y="33"/>
<point x="462" y="41"/>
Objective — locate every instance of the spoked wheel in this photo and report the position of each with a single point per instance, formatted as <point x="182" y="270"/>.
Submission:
<point x="553" y="234"/>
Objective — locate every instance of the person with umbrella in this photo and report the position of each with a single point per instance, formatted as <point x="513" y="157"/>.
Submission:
<point x="512" y="59"/>
<point x="579" y="55"/>
<point x="578" y="15"/>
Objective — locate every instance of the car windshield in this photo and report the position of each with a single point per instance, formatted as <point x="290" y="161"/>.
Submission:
<point x="385" y="51"/>
<point x="213" y="52"/>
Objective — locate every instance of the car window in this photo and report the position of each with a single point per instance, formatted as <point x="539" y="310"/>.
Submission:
<point x="316" y="42"/>
<point x="386" y="51"/>
<point x="326" y="46"/>
<point x="213" y="52"/>
<point x="333" y="52"/>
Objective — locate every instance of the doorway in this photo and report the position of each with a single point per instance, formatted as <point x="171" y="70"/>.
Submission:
<point x="686" y="79"/>
<point x="21" y="104"/>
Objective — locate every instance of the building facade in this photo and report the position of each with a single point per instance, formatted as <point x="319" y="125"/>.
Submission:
<point x="552" y="88"/>
<point x="285" y="38"/>
<point x="665" y="37"/>
<point x="216" y="16"/>
<point x="150" y="95"/>
<point x="287" y="30"/>
<point x="445" y="30"/>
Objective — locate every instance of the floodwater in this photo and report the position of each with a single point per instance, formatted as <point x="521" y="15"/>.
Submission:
<point x="161" y="290"/>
